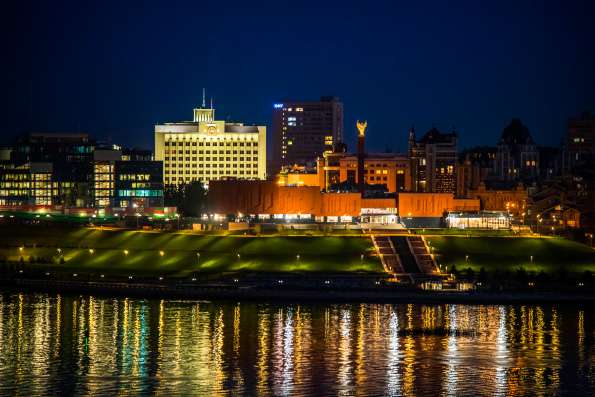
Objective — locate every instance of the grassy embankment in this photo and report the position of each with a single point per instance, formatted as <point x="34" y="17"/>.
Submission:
<point x="175" y="254"/>
<point x="549" y="255"/>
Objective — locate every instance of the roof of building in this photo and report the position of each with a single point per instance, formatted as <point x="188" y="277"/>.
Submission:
<point x="516" y="133"/>
<point x="435" y="136"/>
<point x="240" y="128"/>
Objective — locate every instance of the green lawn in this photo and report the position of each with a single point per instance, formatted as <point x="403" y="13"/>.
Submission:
<point x="510" y="253"/>
<point x="176" y="253"/>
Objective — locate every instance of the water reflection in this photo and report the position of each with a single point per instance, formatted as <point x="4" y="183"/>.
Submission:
<point x="91" y="345"/>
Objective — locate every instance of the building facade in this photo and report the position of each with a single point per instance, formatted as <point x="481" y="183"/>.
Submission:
<point x="388" y="169"/>
<point x="267" y="201"/>
<point x="72" y="171"/>
<point x="517" y="157"/>
<point x="206" y="149"/>
<point x="304" y="131"/>
<point x="433" y="161"/>
<point x="579" y="143"/>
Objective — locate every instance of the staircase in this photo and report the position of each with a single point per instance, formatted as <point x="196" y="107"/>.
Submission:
<point x="408" y="262"/>
<point x="422" y="257"/>
<point x="386" y="251"/>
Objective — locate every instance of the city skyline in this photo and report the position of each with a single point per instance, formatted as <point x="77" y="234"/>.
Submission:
<point x="110" y="73"/>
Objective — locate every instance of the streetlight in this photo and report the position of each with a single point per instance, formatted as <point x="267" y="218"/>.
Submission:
<point x="125" y="252"/>
<point x="161" y="253"/>
<point x="362" y="258"/>
<point x="91" y="251"/>
<point x="531" y="258"/>
<point x="297" y="257"/>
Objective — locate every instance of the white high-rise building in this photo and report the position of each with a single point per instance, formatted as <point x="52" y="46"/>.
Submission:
<point x="206" y="149"/>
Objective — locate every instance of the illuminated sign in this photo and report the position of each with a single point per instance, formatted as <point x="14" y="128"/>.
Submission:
<point x="278" y="105"/>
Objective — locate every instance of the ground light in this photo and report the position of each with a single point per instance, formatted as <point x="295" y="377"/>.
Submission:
<point x="161" y="253"/>
<point x="91" y="251"/>
<point x="125" y="252"/>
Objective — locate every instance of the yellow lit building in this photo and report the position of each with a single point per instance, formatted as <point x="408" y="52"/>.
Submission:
<point x="206" y="149"/>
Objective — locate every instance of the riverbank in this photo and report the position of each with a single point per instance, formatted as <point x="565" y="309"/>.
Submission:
<point x="378" y="293"/>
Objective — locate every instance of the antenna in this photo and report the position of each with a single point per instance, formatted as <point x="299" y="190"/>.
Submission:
<point x="211" y="102"/>
<point x="203" y="98"/>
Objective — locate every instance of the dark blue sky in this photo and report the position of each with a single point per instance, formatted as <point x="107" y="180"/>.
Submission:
<point x="115" y="69"/>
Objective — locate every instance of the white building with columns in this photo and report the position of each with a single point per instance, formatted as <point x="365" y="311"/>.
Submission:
<point x="206" y="149"/>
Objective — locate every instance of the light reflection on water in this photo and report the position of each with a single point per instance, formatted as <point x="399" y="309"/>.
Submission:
<point x="92" y="345"/>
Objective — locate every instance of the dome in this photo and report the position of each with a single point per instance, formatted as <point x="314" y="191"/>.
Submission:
<point x="516" y="133"/>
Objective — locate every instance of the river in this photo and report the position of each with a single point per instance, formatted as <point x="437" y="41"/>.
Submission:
<point x="96" y="345"/>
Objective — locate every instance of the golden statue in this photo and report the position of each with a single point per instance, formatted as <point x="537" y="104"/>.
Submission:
<point x="361" y="127"/>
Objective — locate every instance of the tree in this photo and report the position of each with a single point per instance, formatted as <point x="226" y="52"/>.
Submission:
<point x="483" y="276"/>
<point x="194" y="198"/>
<point x="521" y="276"/>
<point x="189" y="198"/>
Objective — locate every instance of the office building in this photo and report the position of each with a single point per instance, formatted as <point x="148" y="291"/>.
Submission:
<point x="433" y="161"/>
<point x="73" y="171"/>
<point x="304" y="131"/>
<point x="206" y="149"/>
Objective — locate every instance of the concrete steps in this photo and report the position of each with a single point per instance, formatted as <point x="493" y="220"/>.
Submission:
<point x="422" y="256"/>
<point x="388" y="256"/>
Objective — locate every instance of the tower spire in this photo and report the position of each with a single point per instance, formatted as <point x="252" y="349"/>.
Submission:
<point x="211" y="102"/>
<point x="203" y="98"/>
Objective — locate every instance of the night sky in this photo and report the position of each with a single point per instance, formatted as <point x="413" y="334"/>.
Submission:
<point x="115" y="70"/>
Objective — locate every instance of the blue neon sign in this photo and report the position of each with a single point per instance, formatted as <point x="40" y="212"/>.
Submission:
<point x="278" y="105"/>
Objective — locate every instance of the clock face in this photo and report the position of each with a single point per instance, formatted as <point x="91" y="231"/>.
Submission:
<point x="212" y="130"/>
